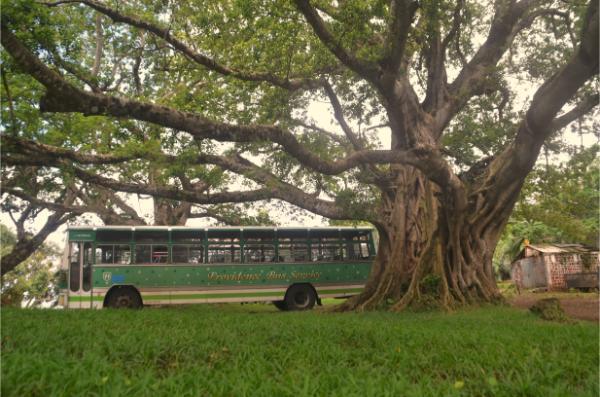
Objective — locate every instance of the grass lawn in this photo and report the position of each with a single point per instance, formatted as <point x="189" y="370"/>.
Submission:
<point x="254" y="350"/>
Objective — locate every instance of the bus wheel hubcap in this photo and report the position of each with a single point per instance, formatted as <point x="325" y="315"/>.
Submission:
<point x="301" y="299"/>
<point x="123" y="301"/>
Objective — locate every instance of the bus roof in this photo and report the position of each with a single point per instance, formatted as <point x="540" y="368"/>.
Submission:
<point x="121" y="227"/>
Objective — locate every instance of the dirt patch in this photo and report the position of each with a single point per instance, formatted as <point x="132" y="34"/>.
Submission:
<point x="579" y="306"/>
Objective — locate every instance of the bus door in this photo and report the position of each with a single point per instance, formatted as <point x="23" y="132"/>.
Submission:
<point x="80" y="275"/>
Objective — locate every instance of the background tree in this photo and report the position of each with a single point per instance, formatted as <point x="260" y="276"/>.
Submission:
<point x="229" y="85"/>
<point x="41" y="199"/>
<point x="565" y="199"/>
<point x="558" y="204"/>
<point x="34" y="279"/>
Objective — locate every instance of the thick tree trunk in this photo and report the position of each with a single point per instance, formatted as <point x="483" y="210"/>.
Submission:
<point x="431" y="254"/>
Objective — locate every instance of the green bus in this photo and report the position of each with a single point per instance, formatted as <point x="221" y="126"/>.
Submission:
<point x="293" y="267"/>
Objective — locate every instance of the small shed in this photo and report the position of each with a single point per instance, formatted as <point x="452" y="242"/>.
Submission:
<point x="546" y="265"/>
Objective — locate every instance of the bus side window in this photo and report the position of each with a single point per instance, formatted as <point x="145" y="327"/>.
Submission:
<point x="160" y="254"/>
<point x="143" y="253"/>
<point x="196" y="254"/>
<point x="364" y="250"/>
<point x="301" y="253"/>
<point x="185" y="253"/>
<point x="180" y="253"/>
<point x="224" y="254"/>
<point x="122" y="254"/>
<point x="104" y="254"/>
<point x="259" y="253"/>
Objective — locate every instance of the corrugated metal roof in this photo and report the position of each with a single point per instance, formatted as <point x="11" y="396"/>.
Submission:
<point x="560" y="248"/>
<point x="549" y="249"/>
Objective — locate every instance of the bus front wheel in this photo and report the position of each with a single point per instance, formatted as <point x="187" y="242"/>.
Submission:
<point x="124" y="298"/>
<point x="300" y="297"/>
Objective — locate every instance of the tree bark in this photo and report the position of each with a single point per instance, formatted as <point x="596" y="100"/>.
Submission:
<point x="432" y="254"/>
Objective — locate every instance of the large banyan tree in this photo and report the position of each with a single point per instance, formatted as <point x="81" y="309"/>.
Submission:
<point x="430" y="135"/>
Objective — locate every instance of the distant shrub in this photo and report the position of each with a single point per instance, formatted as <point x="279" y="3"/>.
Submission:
<point x="549" y="309"/>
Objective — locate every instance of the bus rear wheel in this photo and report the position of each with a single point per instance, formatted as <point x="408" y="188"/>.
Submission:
<point x="124" y="298"/>
<point x="300" y="297"/>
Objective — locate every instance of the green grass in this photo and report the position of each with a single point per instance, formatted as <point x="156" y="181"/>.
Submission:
<point x="254" y="350"/>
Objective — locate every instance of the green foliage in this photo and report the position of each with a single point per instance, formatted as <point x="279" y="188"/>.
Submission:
<point x="7" y="239"/>
<point x="549" y="309"/>
<point x="558" y="204"/>
<point x="359" y="204"/>
<point x="478" y="131"/>
<point x="430" y="285"/>
<point x="271" y="37"/>
<point x="565" y="198"/>
<point x="33" y="278"/>
<point x="240" y="216"/>
<point x="225" y="350"/>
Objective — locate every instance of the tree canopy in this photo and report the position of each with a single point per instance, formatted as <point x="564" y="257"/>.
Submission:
<point x="206" y="103"/>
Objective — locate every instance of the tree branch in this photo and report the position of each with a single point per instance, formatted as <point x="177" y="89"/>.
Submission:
<point x="11" y="109"/>
<point x="339" y="116"/>
<point x="63" y="97"/>
<point x="31" y="151"/>
<point x="506" y="173"/>
<point x="54" y="206"/>
<point x="402" y="13"/>
<point x="26" y="244"/>
<point x="368" y="71"/>
<point x="209" y="63"/>
<point x="340" y="139"/>
<point x="582" y="108"/>
<point x="25" y="247"/>
<point x="99" y="46"/>
<point x="508" y="21"/>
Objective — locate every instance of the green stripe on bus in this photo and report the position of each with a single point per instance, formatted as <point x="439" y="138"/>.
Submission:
<point x="239" y="294"/>
<point x="339" y="291"/>
<point x="216" y="295"/>
<point x="209" y="296"/>
<point x="85" y="298"/>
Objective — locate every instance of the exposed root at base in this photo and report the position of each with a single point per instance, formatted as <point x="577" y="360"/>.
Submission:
<point x="412" y="301"/>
